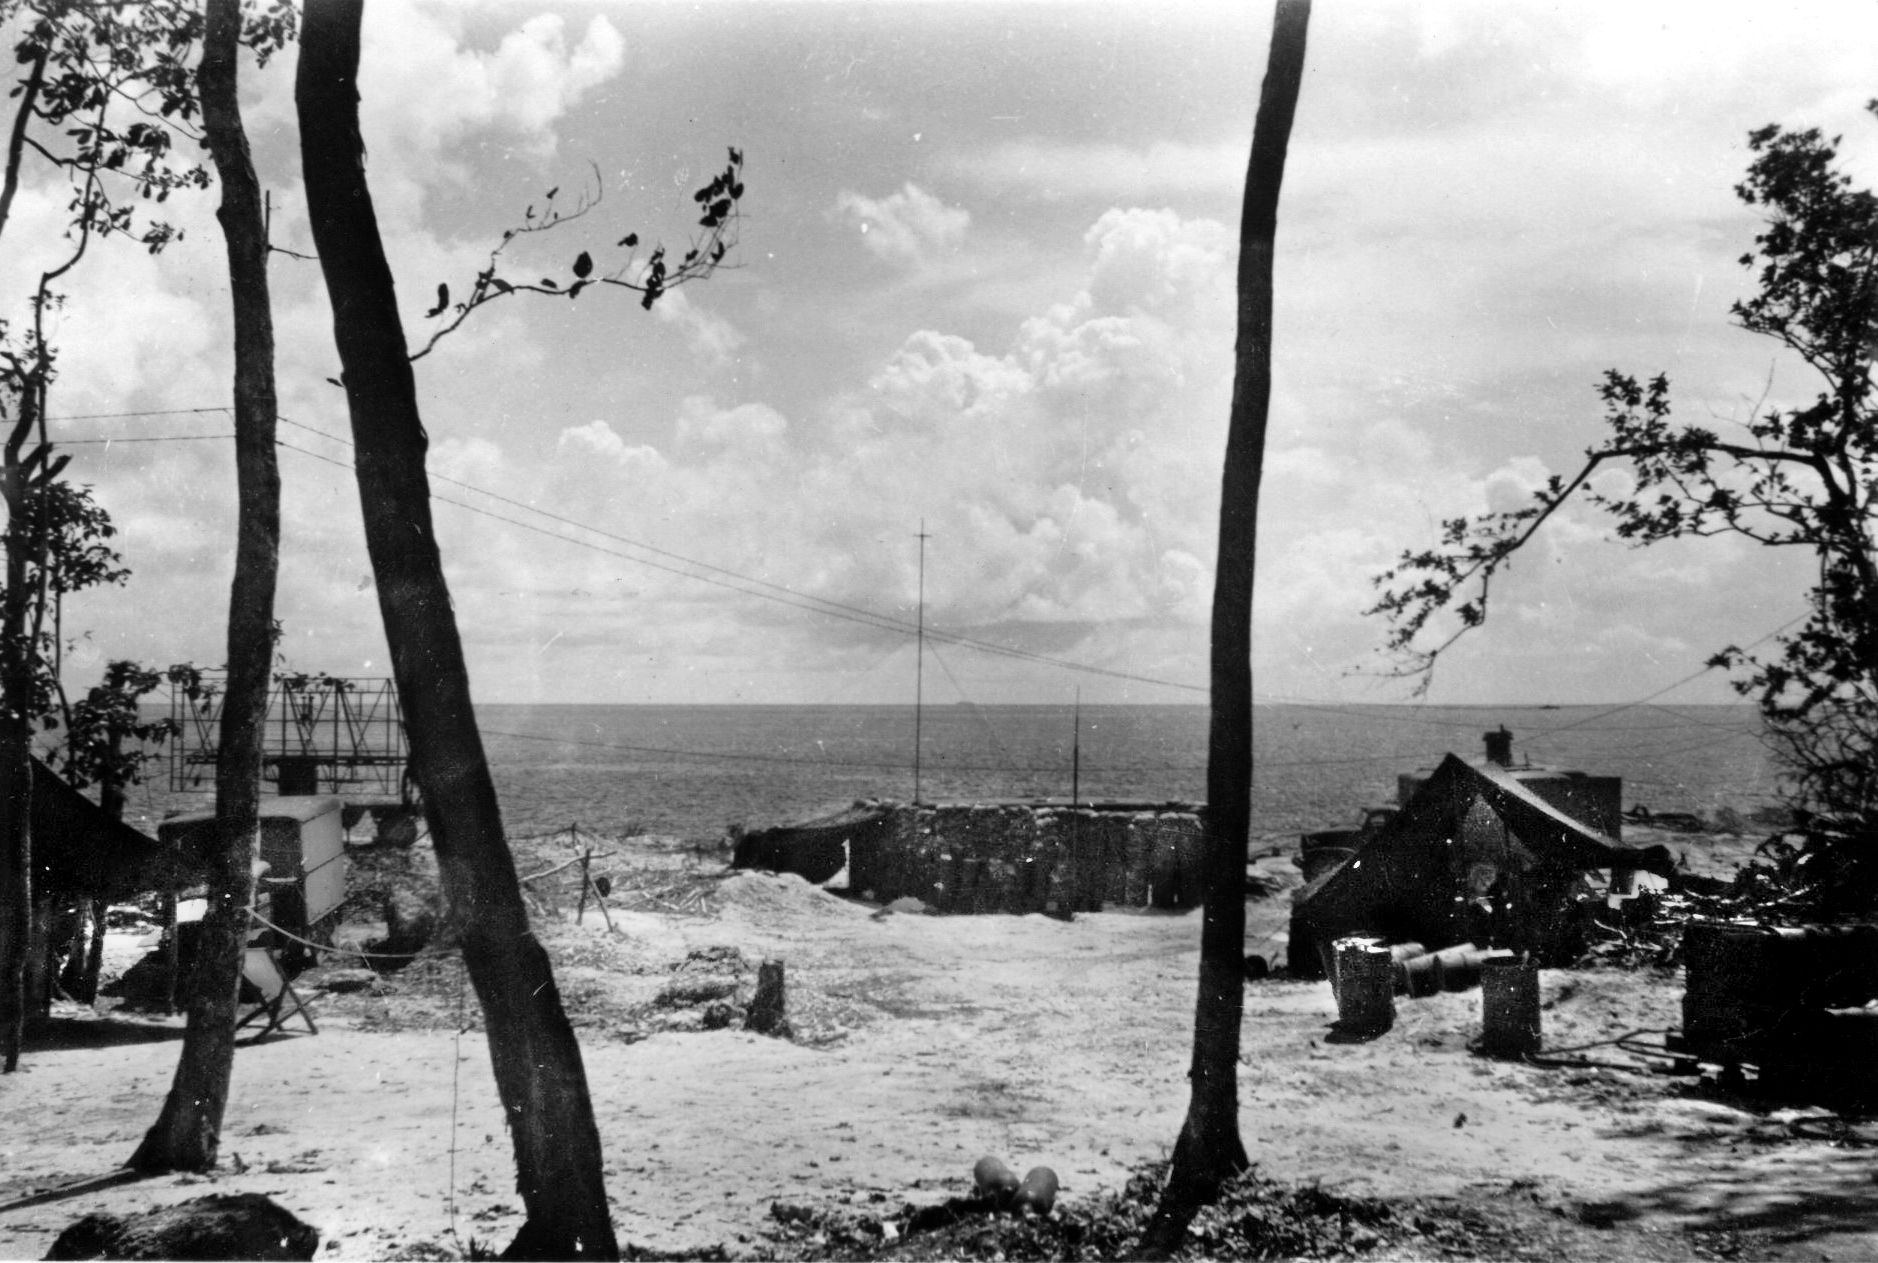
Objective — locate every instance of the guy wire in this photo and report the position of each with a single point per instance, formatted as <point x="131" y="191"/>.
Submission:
<point x="456" y="1066"/>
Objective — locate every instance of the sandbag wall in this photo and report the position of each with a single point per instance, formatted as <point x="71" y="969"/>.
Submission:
<point x="1018" y="858"/>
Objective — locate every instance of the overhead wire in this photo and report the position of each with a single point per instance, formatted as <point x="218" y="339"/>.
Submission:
<point x="815" y="604"/>
<point x="747" y="585"/>
<point x="753" y="586"/>
<point x="1687" y="679"/>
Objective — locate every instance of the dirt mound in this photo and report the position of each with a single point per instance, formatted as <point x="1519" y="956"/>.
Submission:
<point x="784" y="899"/>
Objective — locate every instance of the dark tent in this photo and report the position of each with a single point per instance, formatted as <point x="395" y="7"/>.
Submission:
<point x="1474" y="855"/>
<point x="817" y="849"/>
<point x="80" y="851"/>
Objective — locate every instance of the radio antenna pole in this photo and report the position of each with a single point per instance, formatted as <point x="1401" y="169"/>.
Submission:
<point x="919" y="661"/>
<point x="1075" y="753"/>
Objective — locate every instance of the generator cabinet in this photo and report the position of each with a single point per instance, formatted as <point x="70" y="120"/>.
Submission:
<point x="303" y="843"/>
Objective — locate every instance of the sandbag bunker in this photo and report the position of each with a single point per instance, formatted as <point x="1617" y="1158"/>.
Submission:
<point x="1038" y="855"/>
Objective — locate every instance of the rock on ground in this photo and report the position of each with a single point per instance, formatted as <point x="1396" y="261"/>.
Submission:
<point x="220" y="1226"/>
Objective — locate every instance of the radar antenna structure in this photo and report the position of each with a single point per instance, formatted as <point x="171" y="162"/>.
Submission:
<point x="322" y="734"/>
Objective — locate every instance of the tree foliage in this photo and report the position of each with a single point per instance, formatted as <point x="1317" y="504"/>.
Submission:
<point x="1801" y="477"/>
<point x="108" y="715"/>
<point x="67" y="536"/>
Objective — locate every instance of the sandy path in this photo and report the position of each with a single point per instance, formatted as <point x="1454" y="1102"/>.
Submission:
<point x="1039" y="1040"/>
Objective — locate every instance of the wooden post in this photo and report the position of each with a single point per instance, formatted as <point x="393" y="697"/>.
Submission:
<point x="1509" y="1008"/>
<point x="171" y="947"/>
<point x="767" y="1015"/>
<point x="599" y="899"/>
<point x="586" y="861"/>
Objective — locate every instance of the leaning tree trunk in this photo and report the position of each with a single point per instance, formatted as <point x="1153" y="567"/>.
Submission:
<point x="536" y="1058"/>
<point x="1209" y="1150"/>
<point x="187" y="1133"/>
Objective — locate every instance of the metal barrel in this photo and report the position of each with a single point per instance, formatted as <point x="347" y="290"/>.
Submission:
<point x="1366" y="987"/>
<point x="1458" y="968"/>
<point x="1336" y="956"/>
<point x="1416" y="976"/>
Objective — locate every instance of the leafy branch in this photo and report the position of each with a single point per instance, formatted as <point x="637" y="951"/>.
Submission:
<point x="1803" y="477"/>
<point x="720" y="202"/>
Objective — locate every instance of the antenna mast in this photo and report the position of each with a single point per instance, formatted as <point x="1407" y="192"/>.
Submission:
<point x="919" y="668"/>
<point x="1075" y="753"/>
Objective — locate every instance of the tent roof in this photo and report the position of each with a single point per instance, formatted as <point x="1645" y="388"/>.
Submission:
<point x="1392" y="858"/>
<point x="78" y="849"/>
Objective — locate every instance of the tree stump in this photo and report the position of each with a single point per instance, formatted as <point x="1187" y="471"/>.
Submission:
<point x="766" y="1016"/>
<point x="412" y="922"/>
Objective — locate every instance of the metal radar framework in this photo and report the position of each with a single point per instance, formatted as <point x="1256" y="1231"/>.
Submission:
<point x="340" y="735"/>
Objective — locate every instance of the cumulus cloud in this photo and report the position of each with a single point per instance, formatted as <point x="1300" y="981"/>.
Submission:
<point x="908" y="228"/>
<point x="710" y="336"/>
<point x="597" y="438"/>
<point x="472" y="460"/>
<point x="1053" y="472"/>
<point x="423" y="88"/>
<point x="749" y="426"/>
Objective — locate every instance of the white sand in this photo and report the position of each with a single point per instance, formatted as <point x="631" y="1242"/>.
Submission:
<point x="1037" y="1040"/>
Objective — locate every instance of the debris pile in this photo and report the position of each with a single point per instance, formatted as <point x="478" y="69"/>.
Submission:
<point x="712" y="989"/>
<point x="1253" y="1218"/>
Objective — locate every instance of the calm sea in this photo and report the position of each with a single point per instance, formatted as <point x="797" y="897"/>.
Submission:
<point x="693" y="770"/>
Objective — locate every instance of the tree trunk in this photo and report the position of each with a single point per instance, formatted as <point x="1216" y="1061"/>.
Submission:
<point x="536" y="1058"/>
<point x="72" y="973"/>
<point x="16" y="769"/>
<point x="1209" y="1150"/>
<point x="80" y="977"/>
<point x="38" y="975"/>
<point x="187" y="1134"/>
<point x="16" y="734"/>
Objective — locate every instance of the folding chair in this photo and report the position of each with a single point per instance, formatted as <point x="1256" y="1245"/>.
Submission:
<point x="261" y="970"/>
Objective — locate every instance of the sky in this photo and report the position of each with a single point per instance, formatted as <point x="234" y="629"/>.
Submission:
<point x="983" y="292"/>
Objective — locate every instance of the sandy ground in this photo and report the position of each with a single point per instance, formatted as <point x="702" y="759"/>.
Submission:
<point x="927" y="1041"/>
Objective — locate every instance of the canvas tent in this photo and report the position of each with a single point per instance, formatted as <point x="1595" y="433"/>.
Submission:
<point x="816" y="849"/>
<point x="79" y="851"/>
<point x="1477" y="853"/>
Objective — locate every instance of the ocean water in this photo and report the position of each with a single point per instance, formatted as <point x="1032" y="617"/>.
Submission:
<point x="693" y="770"/>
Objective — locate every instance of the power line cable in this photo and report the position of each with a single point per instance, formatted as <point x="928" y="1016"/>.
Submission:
<point x="147" y="438"/>
<point x="622" y="539"/>
<point x="978" y="713"/>
<point x="148" y="412"/>
<point x="1669" y="688"/>
<point x="779" y="594"/>
<point x="783" y="594"/>
<point x="814" y="604"/>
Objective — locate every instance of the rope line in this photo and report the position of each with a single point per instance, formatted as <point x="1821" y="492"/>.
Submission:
<point x="344" y="951"/>
<point x="456" y="1069"/>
